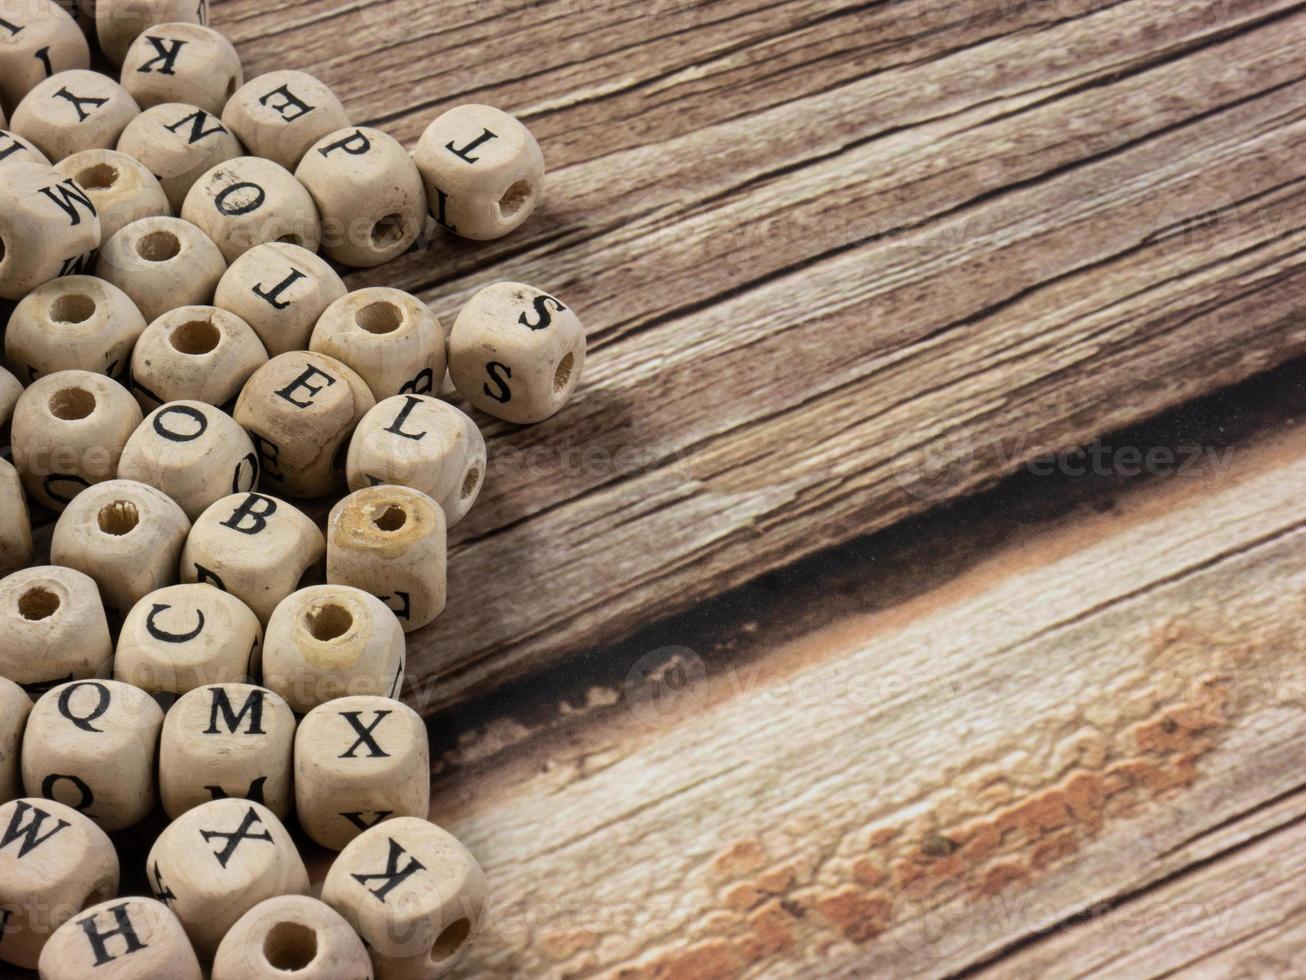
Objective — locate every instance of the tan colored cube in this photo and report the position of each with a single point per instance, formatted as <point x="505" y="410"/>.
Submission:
<point x="390" y="338"/>
<point x="182" y="62"/>
<point x="48" y="228"/>
<point x="162" y="264"/>
<point x="15" y="149"/>
<point x="120" y="187"/>
<point x="119" y="22"/>
<point x="16" y="546"/>
<point x="483" y="171"/>
<point x="15" y="706"/>
<point x="193" y="452"/>
<point x="300" y="409"/>
<point x="296" y="935"/>
<point x="68" y="432"/>
<point x="391" y="541"/>
<point x="256" y="547"/>
<point x="52" y="628"/>
<point x="54" y="862"/>
<point x="420" y="442"/>
<point x="73" y="111"/>
<point x="227" y="741"/>
<point x="37" y="39"/>
<point x="196" y="353"/>
<point x="10" y="390"/>
<point x="178" y="143"/>
<point x="248" y="201"/>
<point x="332" y="641"/>
<point x="281" y="114"/>
<point x="78" y="323"/>
<point x="516" y="352"/>
<point x="281" y="291"/>
<point x="91" y="745"/>
<point x="125" y="939"/>
<point x="216" y="862"/>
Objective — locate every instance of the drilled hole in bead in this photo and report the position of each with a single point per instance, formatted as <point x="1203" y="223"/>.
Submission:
<point x="37" y="603"/>
<point x="99" y="177"/>
<point x="290" y="946"/>
<point x="470" y="482"/>
<point x="329" y="622"/>
<point x="392" y="519"/>
<point x="562" y="375"/>
<point x="158" y="246"/>
<point x="72" y="404"/>
<point x="379" y="318"/>
<point x="450" y="940"/>
<point x="196" y="337"/>
<point x="72" y="308"/>
<point x="514" y="198"/>
<point x="119" y="518"/>
<point x="388" y="230"/>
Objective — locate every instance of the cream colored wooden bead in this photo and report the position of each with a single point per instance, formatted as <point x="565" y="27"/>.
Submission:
<point x="52" y="628"/>
<point x="300" y="409"/>
<point x="68" y="432"/>
<point x="125" y="939"/>
<point x="178" y="143"/>
<point x="391" y="541"/>
<point x="78" y="323"/>
<point x="412" y="892"/>
<point x="256" y="547"/>
<point x="54" y="862"/>
<point x="127" y="536"/>
<point x="48" y="228"/>
<point x="119" y="22"/>
<point x="294" y="935"/>
<point x="193" y="452"/>
<point x="182" y="63"/>
<point x="15" y="706"/>
<point x="280" y="290"/>
<point x="483" y="171"/>
<point x="227" y="741"/>
<point x="200" y="353"/>
<point x="73" y="111"/>
<point x="15" y="149"/>
<point x="10" y="389"/>
<point x="120" y="187"/>
<point x="216" y="862"/>
<point x="248" y="201"/>
<point x="15" y="522"/>
<point x="390" y="338"/>
<point x="420" y="442"/>
<point x="162" y="264"/>
<point x="91" y="745"/>
<point x="281" y="114"/>
<point x="516" y="352"/>
<point x="330" y="641"/>
<point x="37" y="39"/>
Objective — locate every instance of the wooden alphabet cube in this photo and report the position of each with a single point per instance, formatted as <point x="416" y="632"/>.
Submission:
<point x="332" y="641"/>
<point x="48" y="228"/>
<point x="15" y="149"/>
<point x="281" y="114"/>
<point x="281" y="291"/>
<point x="78" y="323"/>
<point x="300" y="409"/>
<point x="52" y="628"/>
<point x="127" y="536"/>
<point x="359" y="761"/>
<point x="292" y="934"/>
<point x="390" y="338"/>
<point x="200" y="353"/>
<point x="129" y="938"/>
<point x="178" y="143"/>
<point x="186" y="63"/>
<point x="516" y="352"/>
<point x="68" y="432"/>
<point x="227" y="741"/>
<point x="421" y="442"/>
<point x="256" y="547"/>
<point x="193" y="452"/>
<point x="162" y="264"/>
<point x="16" y="546"/>
<point x="122" y="189"/>
<point x="248" y="201"/>
<point x="37" y="39"/>
<point x="15" y="706"/>
<point x="119" y="22"/>
<point x="216" y="862"/>
<point x="72" y="111"/>
<point x="54" y="862"/>
<point x="483" y="170"/>
<point x="390" y="541"/>
<point x="91" y="745"/>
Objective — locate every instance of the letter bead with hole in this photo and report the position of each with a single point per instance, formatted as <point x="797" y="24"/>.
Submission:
<point x="227" y="741"/>
<point x="91" y="745"/>
<point x="129" y="938"/>
<point x="72" y="111"/>
<point x="178" y="143"/>
<point x="48" y="228"/>
<point x="52" y="628"/>
<point x="119" y="22"/>
<point x="390" y="338"/>
<point x="120" y="187"/>
<point x="37" y="39"/>
<point x="256" y="547"/>
<point x="16" y="547"/>
<point x="281" y="114"/>
<point x="78" y="323"/>
<point x="280" y="290"/>
<point x="296" y="935"/>
<point x="54" y="862"/>
<point x="248" y="201"/>
<point x="162" y="264"/>
<point x="332" y="641"/>
<point x="15" y="706"/>
<point x="186" y="63"/>
<point x="516" y="352"/>
<point x="197" y="353"/>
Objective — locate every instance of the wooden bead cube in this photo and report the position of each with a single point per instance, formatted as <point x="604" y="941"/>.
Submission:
<point x="412" y="891"/>
<point x="292" y="934"/>
<point x="391" y="541"/>
<point x="125" y="939"/>
<point x="193" y="452"/>
<point x="162" y="264"/>
<point x="91" y="745"/>
<point x="516" y="352"/>
<point x="281" y="114"/>
<point x="256" y="547"/>
<point x="390" y="338"/>
<point x="72" y="111"/>
<point x="119" y="22"/>
<point x="248" y="201"/>
<point x="332" y="641"/>
<point x="483" y="171"/>
<point x="182" y="637"/>
<point x="300" y="409"/>
<point x="197" y="353"/>
<point x="54" y="862"/>
<point x="52" y="628"/>
<point x="178" y="143"/>
<point x="37" y="39"/>
<point x="280" y="290"/>
<point x="227" y="741"/>
<point x="216" y="862"/>
<point x="15" y="149"/>
<point x="78" y="323"/>
<point x="121" y="187"/>
<point x="179" y="62"/>
<point x="15" y="706"/>
<point x="420" y="442"/>
<point x="48" y="228"/>
<point x="68" y="432"/>
<point x="16" y="546"/>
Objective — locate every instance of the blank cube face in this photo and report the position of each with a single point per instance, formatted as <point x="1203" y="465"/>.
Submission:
<point x="73" y="111"/>
<point x="16" y="545"/>
<point x="122" y="939"/>
<point x="281" y="291"/>
<point x="15" y="706"/>
<point x="52" y="628"/>
<point x="292" y="934"/>
<point x="182" y="63"/>
<point x="49" y="227"/>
